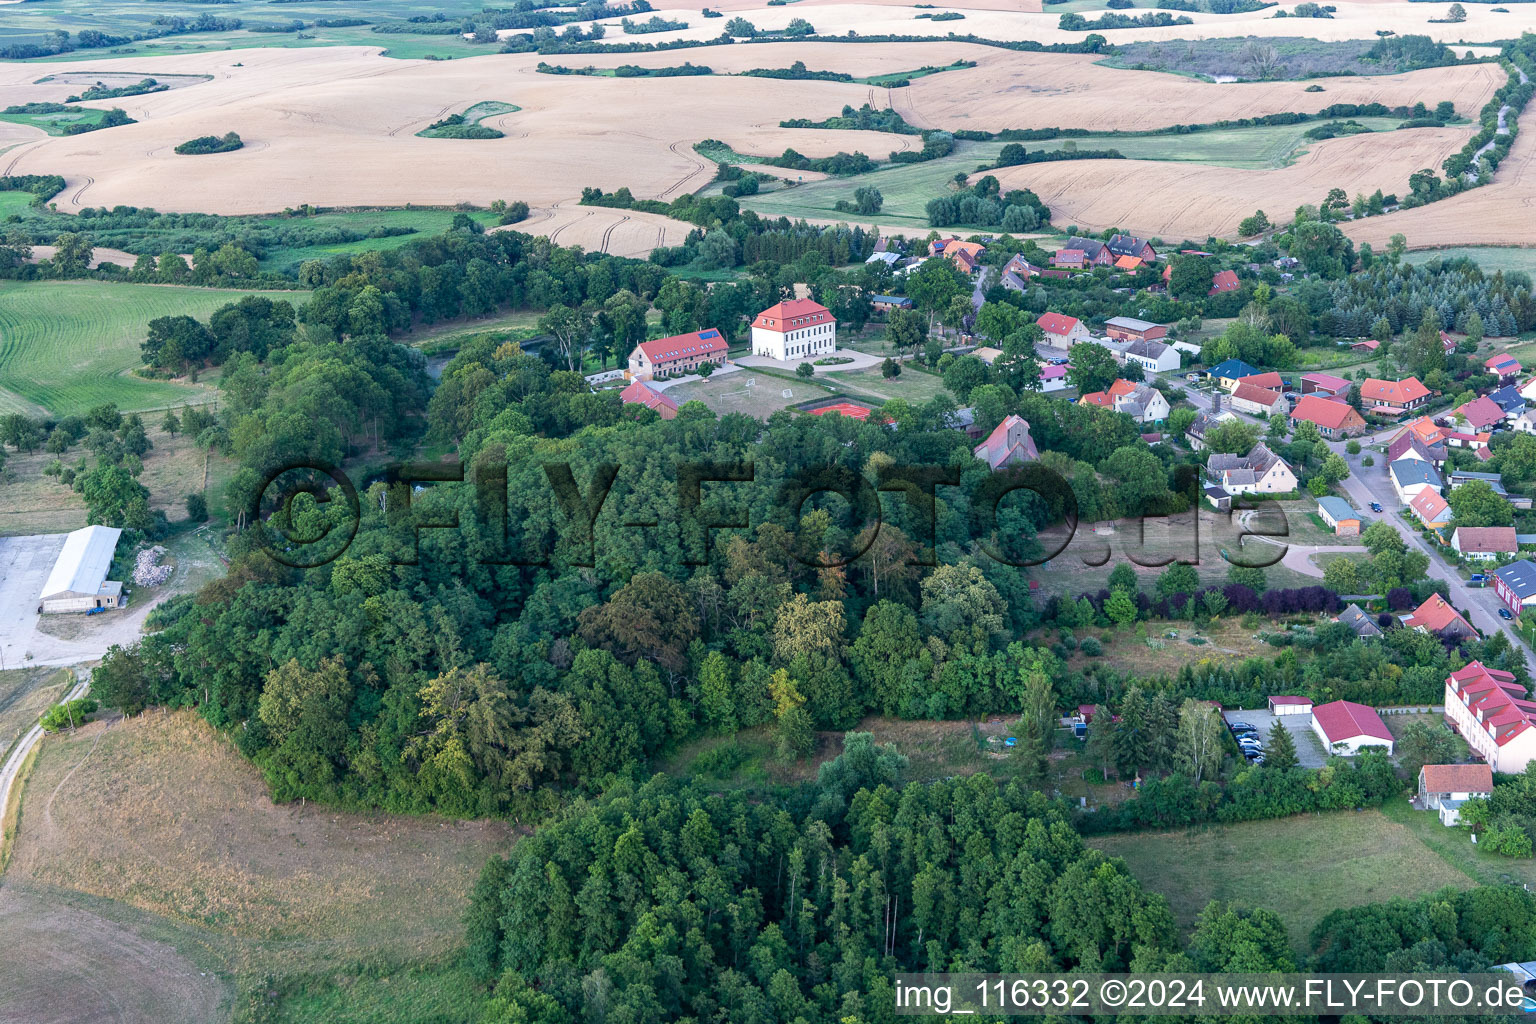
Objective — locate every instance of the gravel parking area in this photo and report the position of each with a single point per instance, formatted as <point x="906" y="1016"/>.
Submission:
<point x="1309" y="749"/>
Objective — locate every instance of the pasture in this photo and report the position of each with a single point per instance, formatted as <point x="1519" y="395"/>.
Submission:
<point x="57" y="122"/>
<point x="66" y="346"/>
<point x="1491" y="258"/>
<point x="167" y="833"/>
<point x="1300" y="867"/>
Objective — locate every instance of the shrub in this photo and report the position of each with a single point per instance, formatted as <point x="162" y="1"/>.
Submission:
<point x="226" y="143"/>
<point x="68" y="714"/>
<point x="1090" y="646"/>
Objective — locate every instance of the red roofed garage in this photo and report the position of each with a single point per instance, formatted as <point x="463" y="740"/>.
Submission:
<point x="1346" y="727"/>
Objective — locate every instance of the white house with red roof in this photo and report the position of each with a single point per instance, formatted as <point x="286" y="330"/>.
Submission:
<point x="1347" y="728"/>
<point x="681" y="353"/>
<point x="1062" y="331"/>
<point x="1493" y="714"/>
<point x="1224" y="281"/>
<point x="1391" y="396"/>
<point x="641" y="393"/>
<point x="1281" y="705"/>
<point x="1445" y="787"/>
<point x="1436" y="615"/>
<point x="1008" y="444"/>
<point x="794" y="329"/>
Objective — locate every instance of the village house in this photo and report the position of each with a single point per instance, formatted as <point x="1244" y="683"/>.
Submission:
<point x="1525" y="423"/>
<point x="641" y="393"/>
<point x="1484" y="543"/>
<point x="1410" y="476"/>
<point x="1408" y="446"/>
<point x="1392" y="397"/>
<point x="1014" y="282"/>
<point x="1257" y="401"/>
<point x="1021" y="266"/>
<point x="886" y="303"/>
<point x="1227" y="374"/>
<point x="1432" y="510"/>
<point x="1340" y="515"/>
<point x="794" y="329"/>
<point x="1128" y="328"/>
<point x="681" y="353"/>
<point x="1479" y="414"/>
<point x="1436" y="616"/>
<point x="1224" y="281"/>
<point x="1515" y="585"/>
<point x="1528" y="389"/>
<point x="1365" y="345"/>
<point x="1323" y="384"/>
<point x="1152" y="356"/>
<point x="1053" y="378"/>
<point x="1095" y="253"/>
<point x="1261" y="471"/>
<point x="1203" y="423"/>
<point x="1130" y="245"/>
<point x="1358" y="620"/>
<point x="1069" y="259"/>
<point x="1492" y="712"/>
<point x="1269" y="381"/>
<point x="1128" y="263"/>
<point x="1332" y="419"/>
<point x="1503" y="365"/>
<point x="1443" y="788"/>
<point x="1009" y="444"/>
<point x="1062" y="331"/>
<point x="964" y="255"/>
<point x="1509" y="400"/>
<point x="1142" y="403"/>
<point x="1447" y="343"/>
<point x="1347" y="728"/>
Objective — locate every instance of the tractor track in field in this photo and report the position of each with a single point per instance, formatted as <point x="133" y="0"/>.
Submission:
<point x="698" y="166"/>
<point x="603" y="245"/>
<point x="555" y="234"/>
<point x="89" y="181"/>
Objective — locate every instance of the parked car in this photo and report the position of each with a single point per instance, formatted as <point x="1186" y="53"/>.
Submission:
<point x="1478" y="577"/>
<point x="1242" y="727"/>
<point x="1504" y="613"/>
<point x="1257" y="759"/>
<point x="1250" y="747"/>
<point x="1375" y="506"/>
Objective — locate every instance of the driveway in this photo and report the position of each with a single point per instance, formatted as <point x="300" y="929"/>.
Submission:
<point x="1309" y="749"/>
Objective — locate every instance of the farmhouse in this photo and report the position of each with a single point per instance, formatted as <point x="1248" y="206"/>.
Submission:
<point x="1347" y="728"/>
<point x="1095" y="253"/>
<point x="1227" y="374"/>
<point x="1437" y="616"/>
<point x="1484" y="543"/>
<point x="1284" y="706"/>
<point x="1256" y="401"/>
<point x="1014" y="282"/>
<point x="1224" y="281"/>
<point x="1479" y="414"/>
<point x="1261" y="471"/>
<point x="1062" y="331"/>
<point x="1339" y="515"/>
<point x="641" y="393"/>
<point x="1069" y="259"/>
<point x="1445" y="787"/>
<point x="1128" y="328"/>
<point x="1332" y="419"/>
<point x="1152" y="355"/>
<point x="1323" y="384"/>
<point x="1503" y="365"/>
<point x="681" y="353"/>
<point x="1007" y="445"/>
<point x="78" y="581"/>
<point x="1515" y="584"/>
<point x="1203" y="422"/>
<point x="1391" y="397"/>
<point x="1021" y="266"/>
<point x="794" y="329"/>
<point x="1130" y="245"/>
<point x="1357" y="619"/>
<point x="964" y="255"/>
<point x="1493" y="714"/>
<point x="1430" y="509"/>
<point x="1410" y="476"/>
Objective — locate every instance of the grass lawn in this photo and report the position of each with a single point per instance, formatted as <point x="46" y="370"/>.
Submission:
<point x="1224" y="640"/>
<point x="913" y="385"/>
<point x="25" y="693"/>
<point x="66" y="346"/>
<point x="1300" y="867"/>
<point x="1489" y="257"/>
<point x="55" y="123"/>
<point x="411" y="225"/>
<point x="473" y="116"/>
<point x="730" y="392"/>
<point x="1455" y="846"/>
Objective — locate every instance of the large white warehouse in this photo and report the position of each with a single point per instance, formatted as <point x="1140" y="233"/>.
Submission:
<point x="78" y="582"/>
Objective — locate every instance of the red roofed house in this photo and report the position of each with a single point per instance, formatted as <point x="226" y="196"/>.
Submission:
<point x="1436" y="616"/>
<point x="1062" y="331"/>
<point x="1397" y="395"/>
<point x="1347" y="728"/>
<point x="681" y="353"/>
<point x="965" y="255"/>
<point x="1445" y="787"/>
<point x="1485" y="543"/>
<point x="1128" y="263"/>
<point x="1333" y="419"/>
<point x="1072" y="259"/>
<point x="1493" y="714"/>
<point x="641" y="393"/>
<point x="796" y="329"/>
<point x="1270" y="381"/>
<point x="1447" y="343"/>
<point x="1323" y="384"/>
<point x="1225" y="281"/>
<point x="1365" y="345"/>
<point x="1007" y="445"/>
<point x="1480" y="413"/>
<point x="1256" y="401"/>
<point x="1432" y="510"/>
<point x="1279" y="706"/>
<point x="1503" y="364"/>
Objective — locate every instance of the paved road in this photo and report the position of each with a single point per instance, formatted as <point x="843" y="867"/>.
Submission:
<point x="12" y="765"/>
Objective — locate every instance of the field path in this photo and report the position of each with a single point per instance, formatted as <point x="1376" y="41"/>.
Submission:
<point x="12" y="767"/>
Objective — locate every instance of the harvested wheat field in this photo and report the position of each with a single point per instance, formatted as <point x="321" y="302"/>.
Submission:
<point x="596" y="229"/>
<point x="1499" y="213"/>
<point x="1191" y="201"/>
<point x="161" y="814"/>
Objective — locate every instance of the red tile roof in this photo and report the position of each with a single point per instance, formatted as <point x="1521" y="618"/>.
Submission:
<point x="1326" y="381"/>
<point x="1457" y="778"/>
<point x="1435" y="615"/>
<point x="793" y="315"/>
<point x="1255" y="394"/>
<point x="1396" y="392"/>
<point x="1494" y="697"/>
<point x="1345" y="720"/>
<point x="1057" y="323"/>
<point x="1290" y="700"/>
<point x="683" y="346"/>
<point x="1496" y="540"/>
<point x="1324" y="413"/>
<point x="1127" y="262"/>
<point x="1430" y="507"/>
<point x="641" y="393"/>
<point x="1481" y="412"/>
<point x="1100" y="398"/>
<point x="1270" y="381"/>
<point x="1502" y="363"/>
<point x="1224" y="281"/>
